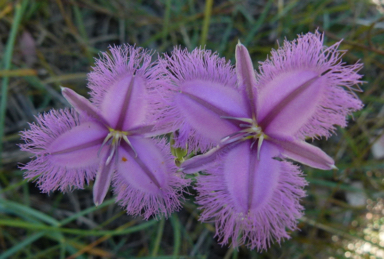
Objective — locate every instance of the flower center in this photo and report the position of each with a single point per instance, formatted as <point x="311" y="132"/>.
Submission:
<point x="250" y="130"/>
<point x="114" y="138"/>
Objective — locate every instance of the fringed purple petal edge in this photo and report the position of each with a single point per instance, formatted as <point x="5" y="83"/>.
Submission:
<point x="182" y="66"/>
<point x="308" y="53"/>
<point x="257" y="230"/>
<point x="49" y="176"/>
<point x="111" y="66"/>
<point x="138" y="203"/>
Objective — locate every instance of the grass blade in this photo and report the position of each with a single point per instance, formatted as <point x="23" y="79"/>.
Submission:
<point x="22" y="244"/>
<point x="159" y="235"/>
<point x="6" y="66"/>
<point x="207" y="18"/>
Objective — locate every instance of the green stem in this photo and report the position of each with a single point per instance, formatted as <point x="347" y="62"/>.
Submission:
<point x="33" y="226"/>
<point x="158" y="237"/>
<point x="176" y="234"/>
<point x="167" y="16"/>
<point x="207" y="18"/>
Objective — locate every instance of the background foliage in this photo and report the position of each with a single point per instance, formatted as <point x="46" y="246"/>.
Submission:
<point x="48" y="43"/>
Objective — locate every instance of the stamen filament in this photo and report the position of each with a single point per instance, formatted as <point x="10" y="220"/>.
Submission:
<point x="261" y="139"/>
<point x="253" y="143"/>
<point x="114" y="137"/>
<point x="232" y="135"/>
<point x="129" y="144"/>
<point x="104" y="142"/>
<point x="250" y="121"/>
<point x="250" y="131"/>
<point x="113" y="149"/>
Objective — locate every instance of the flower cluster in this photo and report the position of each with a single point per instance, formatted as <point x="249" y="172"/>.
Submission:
<point x="245" y="124"/>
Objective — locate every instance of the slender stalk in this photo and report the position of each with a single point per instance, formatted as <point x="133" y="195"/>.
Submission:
<point x="158" y="237"/>
<point x="82" y="232"/>
<point x="167" y="16"/>
<point x="176" y="234"/>
<point x="207" y="18"/>
<point x="28" y="240"/>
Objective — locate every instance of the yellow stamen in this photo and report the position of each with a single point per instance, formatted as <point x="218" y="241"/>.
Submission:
<point x="250" y="130"/>
<point x="116" y="136"/>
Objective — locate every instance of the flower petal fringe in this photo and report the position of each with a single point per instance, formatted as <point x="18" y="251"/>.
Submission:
<point x="259" y="228"/>
<point x="307" y="53"/>
<point x="139" y="202"/>
<point x="253" y="201"/>
<point x="184" y="67"/>
<point x="50" y="176"/>
<point x="111" y="67"/>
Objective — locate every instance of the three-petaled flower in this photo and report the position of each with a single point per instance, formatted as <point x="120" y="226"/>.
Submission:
<point x="254" y="122"/>
<point x="108" y="139"/>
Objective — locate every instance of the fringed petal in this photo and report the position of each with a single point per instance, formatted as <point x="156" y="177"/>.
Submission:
<point x="147" y="131"/>
<point x="52" y="134"/>
<point x="113" y="66"/>
<point x="253" y="202"/>
<point x="78" y="147"/>
<point x="125" y="103"/>
<point x="124" y="85"/>
<point x="202" y="162"/>
<point x="291" y="108"/>
<point x="246" y="78"/>
<point x="298" y="61"/>
<point x="103" y="181"/>
<point x="303" y="152"/>
<point x="82" y="105"/>
<point x="203" y="104"/>
<point x="148" y="184"/>
<point x="201" y="89"/>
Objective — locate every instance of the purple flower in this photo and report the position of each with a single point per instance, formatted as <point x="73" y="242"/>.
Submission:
<point x="108" y="139"/>
<point x="255" y="121"/>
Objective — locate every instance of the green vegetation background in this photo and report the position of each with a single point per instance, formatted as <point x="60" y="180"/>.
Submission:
<point x="45" y="44"/>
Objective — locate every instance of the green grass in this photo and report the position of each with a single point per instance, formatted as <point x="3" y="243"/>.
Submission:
<point x="68" y="34"/>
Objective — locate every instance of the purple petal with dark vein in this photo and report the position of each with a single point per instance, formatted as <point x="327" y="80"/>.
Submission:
<point x="147" y="171"/>
<point x="79" y="146"/>
<point x="138" y="200"/>
<point x="203" y="74"/>
<point x="294" y="63"/>
<point x="291" y="101"/>
<point x="125" y="103"/>
<point x="202" y="104"/>
<point x="251" y="181"/>
<point x="278" y="187"/>
<point x="127" y="100"/>
<point x="103" y="181"/>
<point x="147" y="131"/>
<point x="246" y="78"/>
<point x="202" y="162"/>
<point x="115" y="64"/>
<point x="82" y="105"/>
<point x="44" y="169"/>
<point x="303" y="152"/>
